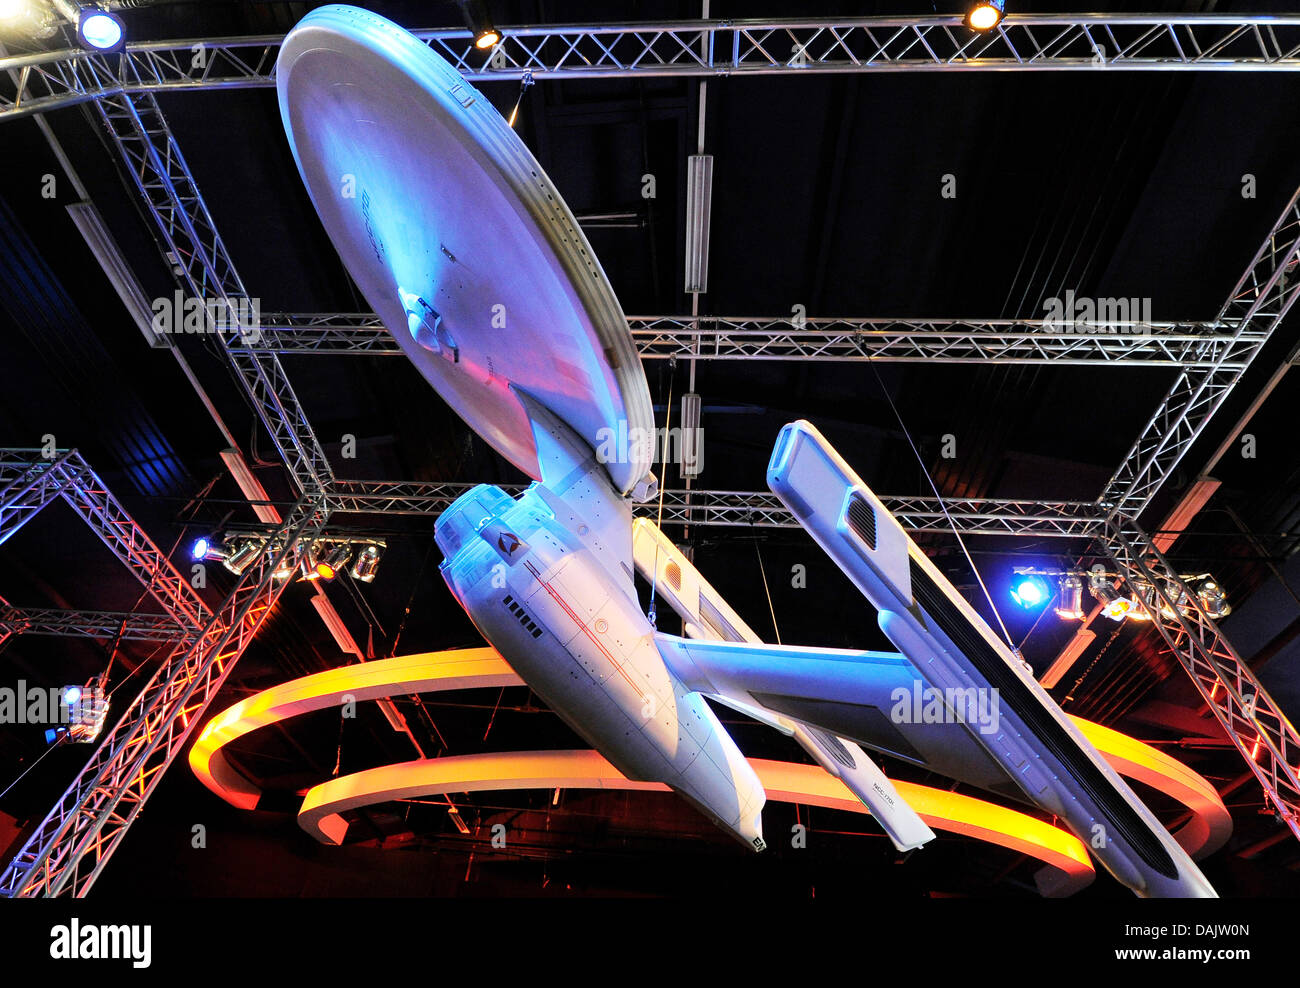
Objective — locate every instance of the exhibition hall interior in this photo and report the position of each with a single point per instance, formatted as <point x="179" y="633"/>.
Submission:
<point x="568" y="449"/>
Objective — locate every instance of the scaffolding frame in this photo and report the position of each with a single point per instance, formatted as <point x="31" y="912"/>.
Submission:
<point x="70" y="848"/>
<point x="43" y="81"/>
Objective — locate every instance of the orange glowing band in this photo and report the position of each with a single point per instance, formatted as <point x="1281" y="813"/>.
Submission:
<point x="323" y="806"/>
<point x="470" y="668"/>
<point x="429" y="672"/>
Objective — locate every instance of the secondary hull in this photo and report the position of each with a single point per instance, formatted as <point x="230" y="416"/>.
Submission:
<point x="552" y="611"/>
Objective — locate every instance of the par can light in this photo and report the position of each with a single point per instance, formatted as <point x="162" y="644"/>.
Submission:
<point x="985" y="14"/>
<point x="99" y="30"/>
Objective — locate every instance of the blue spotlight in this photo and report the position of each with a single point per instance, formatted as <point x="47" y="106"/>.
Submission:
<point x="71" y="695"/>
<point x="199" y="550"/>
<point x="99" y="30"/>
<point x="1029" y="591"/>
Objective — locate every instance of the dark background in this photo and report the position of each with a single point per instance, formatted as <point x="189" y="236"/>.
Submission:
<point x="826" y="195"/>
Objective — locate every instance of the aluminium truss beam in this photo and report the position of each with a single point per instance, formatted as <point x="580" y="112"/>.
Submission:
<point x="701" y="48"/>
<point x="759" y="509"/>
<point x="70" y="848"/>
<point x="1254" y="723"/>
<point x="100" y="625"/>
<point x="164" y="183"/>
<point x="36" y="481"/>
<point x="1258" y="303"/>
<point x="948" y="341"/>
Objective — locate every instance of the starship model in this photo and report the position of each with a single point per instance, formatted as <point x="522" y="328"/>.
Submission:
<point x="465" y="249"/>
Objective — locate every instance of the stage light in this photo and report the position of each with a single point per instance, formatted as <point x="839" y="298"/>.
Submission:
<point x="1214" y="601"/>
<point x="476" y="19"/>
<point x="242" y="556"/>
<point x="309" y="563"/>
<point x="99" y="30"/>
<point x="71" y="695"/>
<point x="1144" y="594"/>
<point x="985" y="14"/>
<point x="287" y="565"/>
<point x="329" y="567"/>
<point x="366" y="564"/>
<point x="1071" y="601"/>
<point x="1176" y="592"/>
<point x="1112" y="604"/>
<point x="1029" y="591"/>
<point x="12" y="10"/>
<point x="203" y="550"/>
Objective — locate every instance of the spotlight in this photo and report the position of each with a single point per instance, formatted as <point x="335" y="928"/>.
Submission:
<point x="366" y="564"/>
<point x="307" y="565"/>
<point x="1113" y="605"/>
<point x="242" y="556"/>
<point x="476" y="19"/>
<point x="87" y="708"/>
<point x="1143" y="596"/>
<point x="287" y="564"/>
<point x="1213" y="598"/>
<point x="99" y="30"/>
<point x="1029" y="591"/>
<point x="29" y="18"/>
<point x="984" y="15"/>
<point x="329" y="567"/>
<point x="1176" y="591"/>
<point x="203" y="549"/>
<point x="1071" y="605"/>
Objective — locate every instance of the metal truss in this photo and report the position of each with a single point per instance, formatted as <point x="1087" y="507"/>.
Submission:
<point x="948" y="341"/>
<point x="164" y="183"/>
<point x="74" y="842"/>
<point x="1256" y="306"/>
<point x="66" y="853"/>
<point x="102" y="625"/>
<point x="1252" y="720"/>
<point x="759" y="509"/>
<point x="34" y="481"/>
<point x="703" y="48"/>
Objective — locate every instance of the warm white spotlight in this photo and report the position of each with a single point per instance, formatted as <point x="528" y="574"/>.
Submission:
<point x="12" y="10"/>
<point x="1113" y="605"/>
<point x="985" y="14"/>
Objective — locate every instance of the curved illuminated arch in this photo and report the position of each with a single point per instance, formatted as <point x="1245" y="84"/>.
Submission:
<point x="469" y="668"/>
<point x="323" y="806"/>
<point x="427" y="672"/>
<point x="1210" y="824"/>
